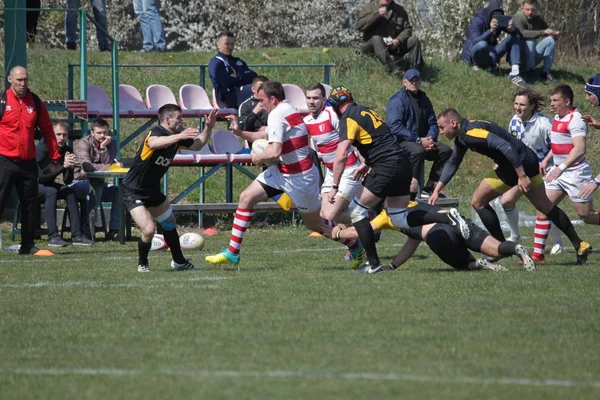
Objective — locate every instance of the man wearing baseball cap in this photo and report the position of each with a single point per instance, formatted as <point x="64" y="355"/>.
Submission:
<point x="411" y="117"/>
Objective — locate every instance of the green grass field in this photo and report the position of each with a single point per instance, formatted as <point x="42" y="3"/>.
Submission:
<point x="295" y="322"/>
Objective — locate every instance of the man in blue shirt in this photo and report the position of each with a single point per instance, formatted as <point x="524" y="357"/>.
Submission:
<point x="230" y="76"/>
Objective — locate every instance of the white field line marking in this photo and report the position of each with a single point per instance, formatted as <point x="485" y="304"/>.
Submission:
<point x="352" y="376"/>
<point x="143" y="284"/>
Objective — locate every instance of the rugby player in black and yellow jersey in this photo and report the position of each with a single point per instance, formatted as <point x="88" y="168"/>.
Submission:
<point x="445" y="242"/>
<point x="386" y="171"/>
<point x="141" y="186"/>
<point x="516" y="164"/>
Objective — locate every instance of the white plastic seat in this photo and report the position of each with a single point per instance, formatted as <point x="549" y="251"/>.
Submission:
<point x="295" y="96"/>
<point x="216" y="102"/>
<point x="130" y="100"/>
<point x="328" y="89"/>
<point x="224" y="141"/>
<point x="159" y="95"/>
<point x="193" y="97"/>
<point x="98" y="100"/>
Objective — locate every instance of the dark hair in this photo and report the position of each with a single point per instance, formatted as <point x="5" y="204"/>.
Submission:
<point x="529" y="2"/>
<point x="259" y="78"/>
<point x="99" y="123"/>
<point x="449" y="113"/>
<point x="167" y="110"/>
<point x="317" y="86"/>
<point x="275" y="89"/>
<point x="534" y="98"/>
<point x="564" y="90"/>
<point x="225" y="34"/>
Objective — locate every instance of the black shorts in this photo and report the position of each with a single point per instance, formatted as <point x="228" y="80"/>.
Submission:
<point x="449" y="246"/>
<point x="390" y="178"/>
<point x="147" y="198"/>
<point x="508" y="175"/>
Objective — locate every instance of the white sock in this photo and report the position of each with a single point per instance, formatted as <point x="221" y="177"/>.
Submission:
<point x="514" y="70"/>
<point x="512" y="218"/>
<point x="556" y="235"/>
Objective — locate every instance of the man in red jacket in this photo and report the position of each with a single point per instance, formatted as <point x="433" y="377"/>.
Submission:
<point x="17" y="151"/>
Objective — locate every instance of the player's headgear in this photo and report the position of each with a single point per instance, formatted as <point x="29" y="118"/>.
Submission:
<point x="338" y="97"/>
<point x="592" y="86"/>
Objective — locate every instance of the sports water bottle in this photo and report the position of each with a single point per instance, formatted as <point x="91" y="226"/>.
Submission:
<point x="13" y="248"/>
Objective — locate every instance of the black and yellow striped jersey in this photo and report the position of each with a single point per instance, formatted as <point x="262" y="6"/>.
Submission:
<point x="369" y="133"/>
<point x="489" y="139"/>
<point x="150" y="165"/>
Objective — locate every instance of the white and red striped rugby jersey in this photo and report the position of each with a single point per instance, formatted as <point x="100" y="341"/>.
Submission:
<point x="285" y="126"/>
<point x="563" y="131"/>
<point x="323" y="131"/>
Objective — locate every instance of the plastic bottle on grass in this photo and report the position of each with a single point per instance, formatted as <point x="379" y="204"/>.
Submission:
<point x="14" y="248"/>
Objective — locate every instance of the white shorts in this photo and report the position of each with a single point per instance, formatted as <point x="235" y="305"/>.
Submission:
<point x="302" y="188"/>
<point x="347" y="187"/>
<point x="572" y="181"/>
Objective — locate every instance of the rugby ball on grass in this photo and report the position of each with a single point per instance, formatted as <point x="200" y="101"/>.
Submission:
<point x="191" y="241"/>
<point x="158" y="243"/>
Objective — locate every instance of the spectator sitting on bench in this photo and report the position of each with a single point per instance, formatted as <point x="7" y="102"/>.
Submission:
<point x="251" y="116"/>
<point x="97" y="152"/>
<point x="230" y="76"/>
<point x="49" y="191"/>
<point x="411" y="117"/>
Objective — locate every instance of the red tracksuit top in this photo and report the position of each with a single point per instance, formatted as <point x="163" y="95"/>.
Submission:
<point x="17" y="128"/>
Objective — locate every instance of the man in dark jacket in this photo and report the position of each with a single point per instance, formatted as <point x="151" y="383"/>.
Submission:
<point x="230" y="76"/>
<point x="482" y="49"/>
<point x="411" y="117"/>
<point x="49" y="191"/>
<point x="387" y="34"/>
<point x="251" y="116"/>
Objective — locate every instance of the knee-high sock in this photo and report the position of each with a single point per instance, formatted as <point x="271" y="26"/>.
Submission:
<point x="143" y="251"/>
<point x="540" y="235"/>
<point x="560" y="219"/>
<point x="507" y="249"/>
<point x="241" y="221"/>
<point x="512" y="218"/>
<point x="350" y="243"/>
<point x="367" y="237"/>
<point x="172" y="239"/>
<point x="556" y="235"/>
<point x="490" y="220"/>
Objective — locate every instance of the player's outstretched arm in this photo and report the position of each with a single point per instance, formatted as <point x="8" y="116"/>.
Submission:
<point x="234" y="126"/>
<point x="406" y="252"/>
<point x="201" y="140"/>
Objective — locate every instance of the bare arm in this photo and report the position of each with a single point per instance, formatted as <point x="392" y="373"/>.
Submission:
<point x="246" y="135"/>
<point x="406" y="251"/>
<point x="270" y="155"/>
<point x="203" y="137"/>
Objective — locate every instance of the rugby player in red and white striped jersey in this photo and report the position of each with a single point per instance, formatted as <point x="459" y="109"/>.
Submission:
<point x="322" y="124"/>
<point x="291" y="170"/>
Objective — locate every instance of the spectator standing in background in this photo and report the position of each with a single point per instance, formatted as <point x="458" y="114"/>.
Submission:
<point x="153" y="35"/>
<point x="533" y="27"/>
<point x="388" y="35"/>
<point x="22" y="112"/>
<point x="230" y="76"/>
<point x="71" y="16"/>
